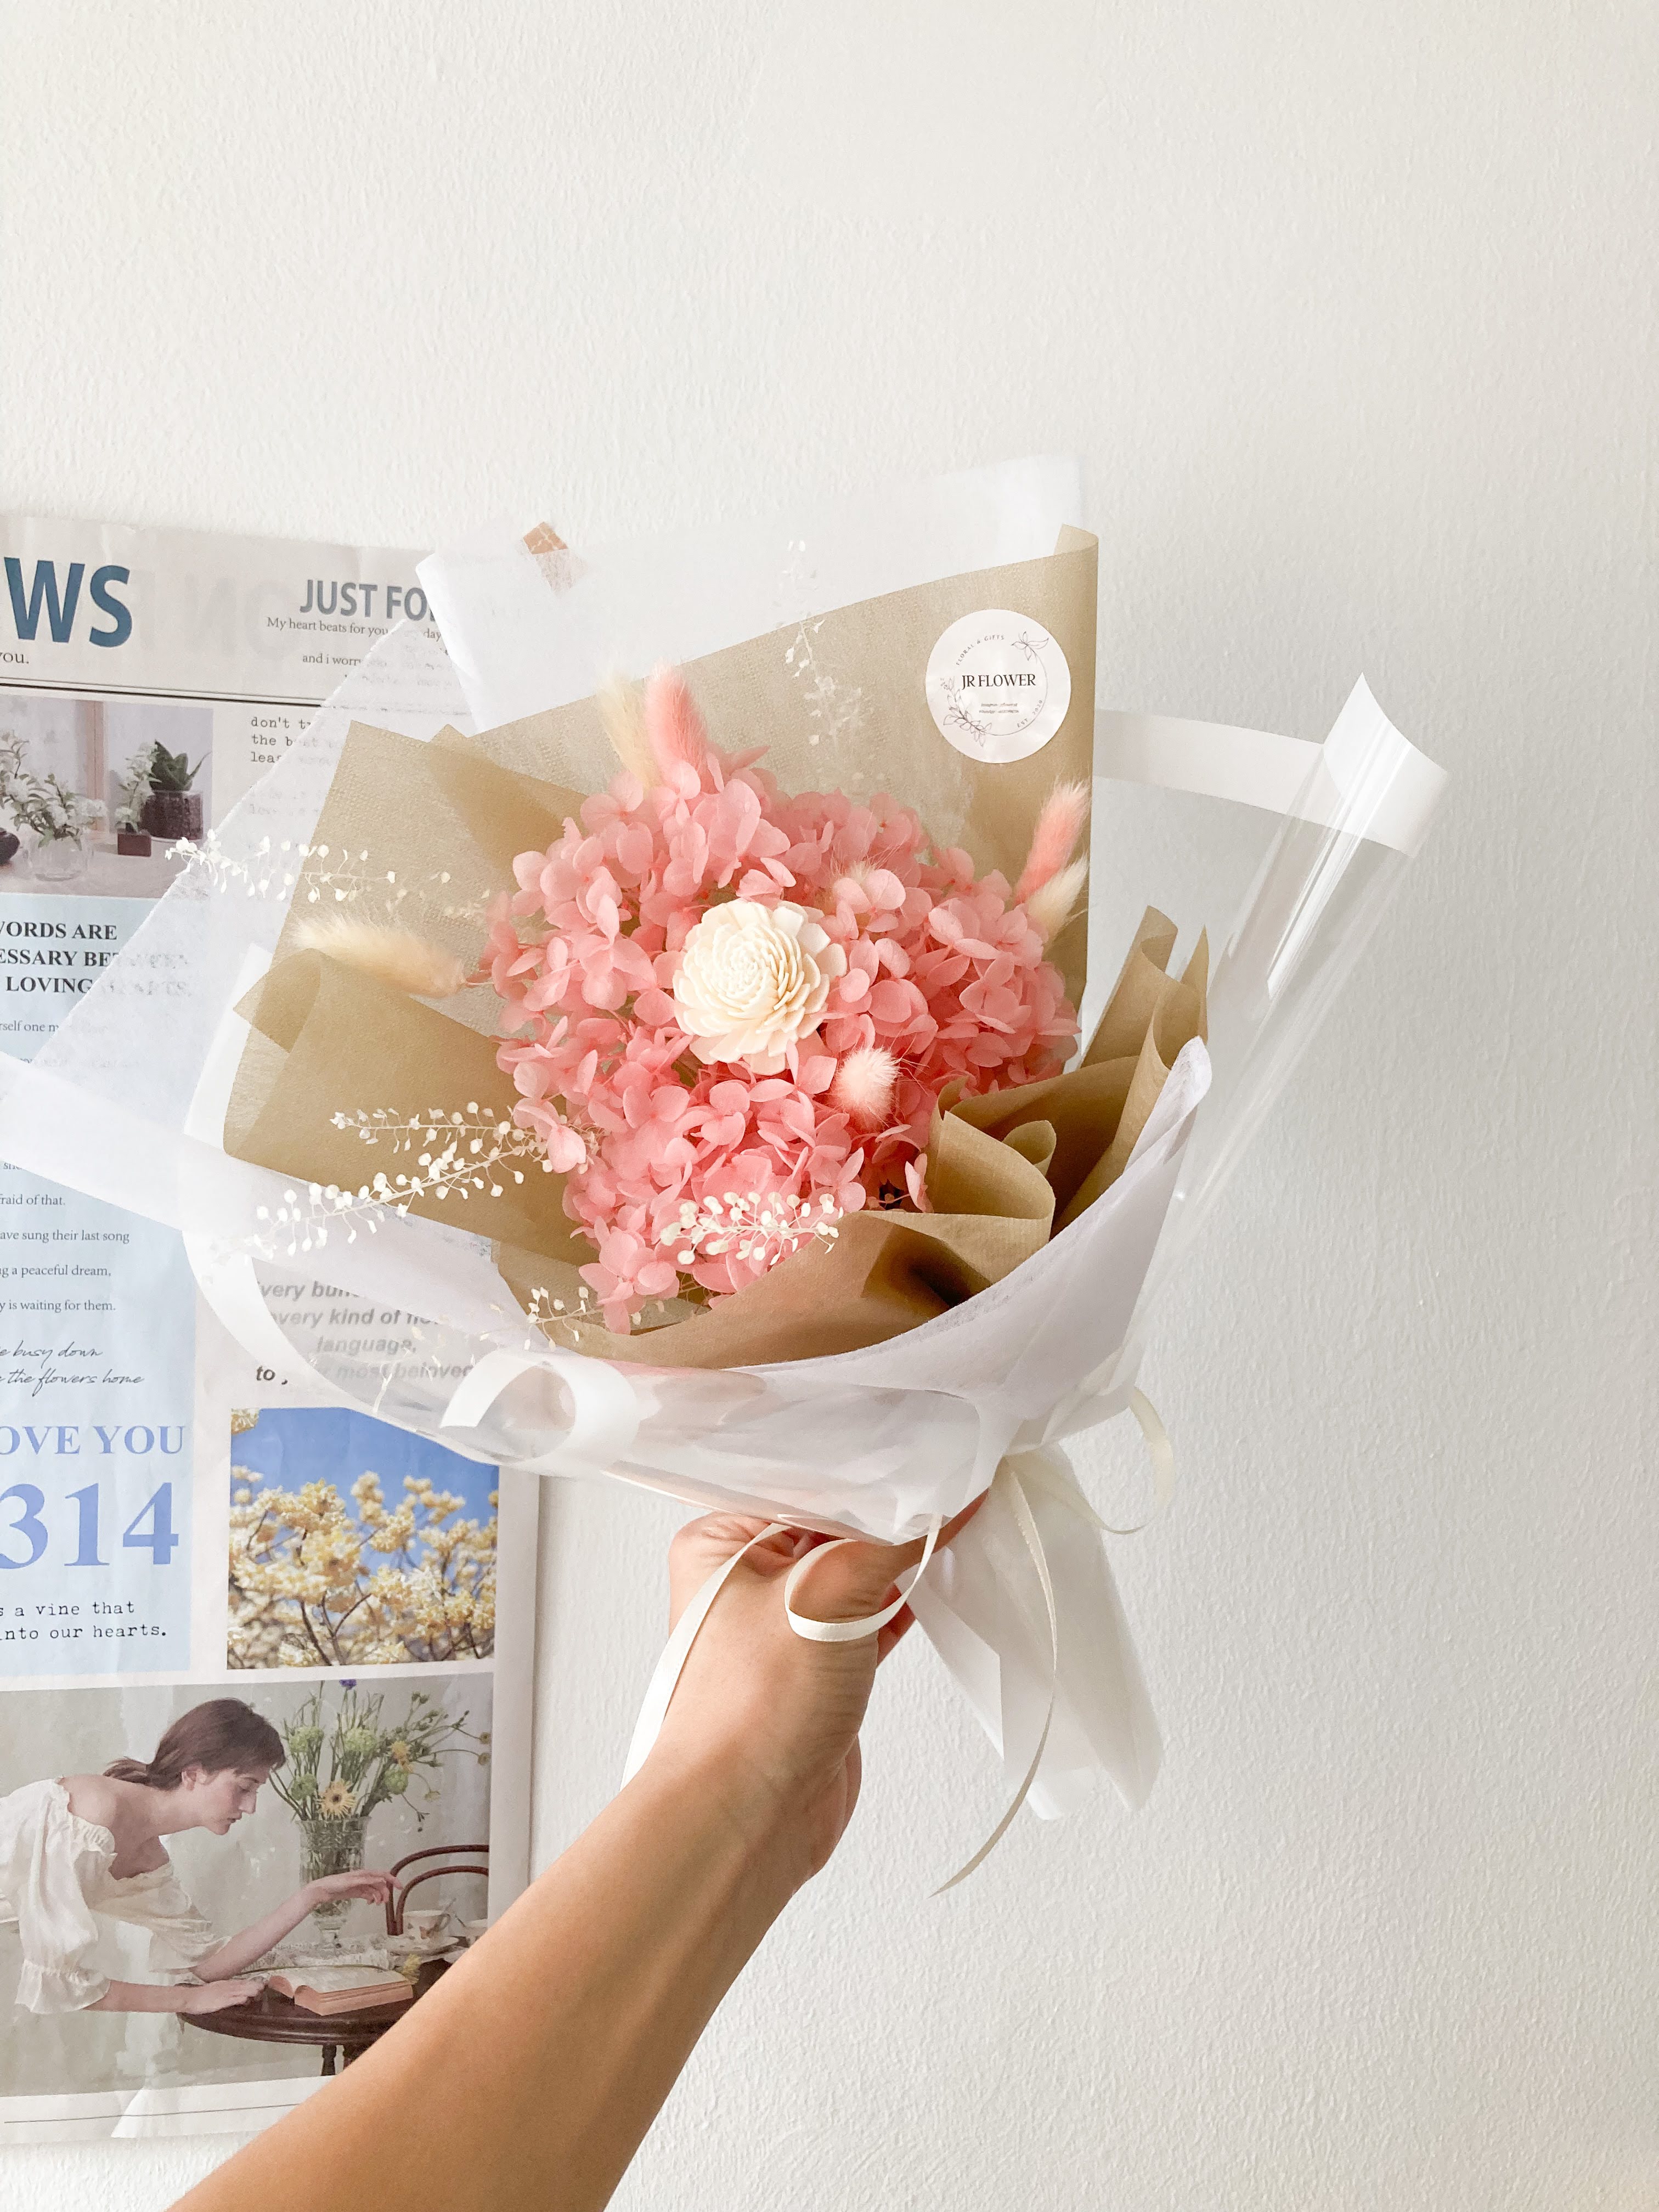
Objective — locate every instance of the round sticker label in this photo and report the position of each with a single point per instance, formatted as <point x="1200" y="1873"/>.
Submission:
<point x="998" y="685"/>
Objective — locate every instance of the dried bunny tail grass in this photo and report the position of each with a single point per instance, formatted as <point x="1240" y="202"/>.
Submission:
<point x="863" y="1088"/>
<point x="1058" y="826"/>
<point x="621" y="709"/>
<point x="674" y="725"/>
<point x="393" y="957"/>
<point x="1049" y="908"/>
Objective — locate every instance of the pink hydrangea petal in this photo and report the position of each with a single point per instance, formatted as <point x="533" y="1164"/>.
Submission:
<point x="949" y="969"/>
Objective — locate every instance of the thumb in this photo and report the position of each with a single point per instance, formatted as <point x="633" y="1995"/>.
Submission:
<point x="851" y="1579"/>
<point x="847" y="1581"/>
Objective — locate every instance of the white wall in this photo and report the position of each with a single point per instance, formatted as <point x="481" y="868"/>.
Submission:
<point x="1351" y="312"/>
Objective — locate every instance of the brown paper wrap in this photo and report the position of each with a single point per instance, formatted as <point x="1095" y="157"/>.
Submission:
<point x="325" y="1036"/>
<point x="425" y="835"/>
<point x="1003" y="1171"/>
<point x="876" y="732"/>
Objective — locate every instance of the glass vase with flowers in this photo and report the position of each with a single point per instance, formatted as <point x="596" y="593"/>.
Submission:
<point x="348" y="1755"/>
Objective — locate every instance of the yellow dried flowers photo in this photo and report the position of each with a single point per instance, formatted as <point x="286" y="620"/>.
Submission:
<point x="356" y="1544"/>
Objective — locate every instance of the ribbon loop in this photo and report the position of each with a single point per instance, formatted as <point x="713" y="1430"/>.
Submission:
<point x="604" y="1412"/>
<point x="871" y="1624"/>
<point x="1160" y="1452"/>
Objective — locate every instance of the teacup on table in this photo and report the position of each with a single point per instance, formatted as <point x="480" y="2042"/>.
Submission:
<point x="424" y="1921"/>
<point x="473" y="1929"/>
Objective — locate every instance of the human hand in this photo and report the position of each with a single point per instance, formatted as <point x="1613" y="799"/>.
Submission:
<point x="362" y="1883"/>
<point x="767" y="1721"/>
<point x="214" y="1997"/>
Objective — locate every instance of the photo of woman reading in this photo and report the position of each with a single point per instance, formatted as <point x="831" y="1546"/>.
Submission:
<point x="82" y="1848"/>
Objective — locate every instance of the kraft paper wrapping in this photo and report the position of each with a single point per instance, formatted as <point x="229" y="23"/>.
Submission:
<point x="1003" y="1171"/>
<point x="872" y="731"/>
<point x="425" y="835"/>
<point x="327" y="1039"/>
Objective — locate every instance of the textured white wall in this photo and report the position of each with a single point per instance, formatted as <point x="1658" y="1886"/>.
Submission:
<point x="1351" y="312"/>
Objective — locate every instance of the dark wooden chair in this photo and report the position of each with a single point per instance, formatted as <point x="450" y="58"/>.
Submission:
<point x="455" y="1855"/>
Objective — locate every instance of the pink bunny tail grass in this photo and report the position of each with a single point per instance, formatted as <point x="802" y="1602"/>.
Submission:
<point x="1050" y="907"/>
<point x="621" y="709"/>
<point x="396" y="957"/>
<point x="673" y="724"/>
<point x="1058" y="826"/>
<point x="863" y="1088"/>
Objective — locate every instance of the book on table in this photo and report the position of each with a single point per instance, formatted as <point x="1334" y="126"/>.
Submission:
<point x="341" y="1989"/>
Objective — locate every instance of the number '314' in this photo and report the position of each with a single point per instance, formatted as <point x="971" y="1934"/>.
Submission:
<point x="24" y="1507"/>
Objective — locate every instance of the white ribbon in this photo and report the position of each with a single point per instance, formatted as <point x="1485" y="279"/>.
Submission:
<point x="665" y="1678"/>
<point x="1160" y="1452"/>
<point x="605" y="1417"/>
<point x="1011" y="1480"/>
<point x="871" y="1624"/>
<point x="1025" y="1520"/>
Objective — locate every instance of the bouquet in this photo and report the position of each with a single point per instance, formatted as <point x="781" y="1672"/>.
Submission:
<point x="739" y="1009"/>
<point x="734" y="1020"/>
<point x="674" y="1001"/>
<point x="341" y="1765"/>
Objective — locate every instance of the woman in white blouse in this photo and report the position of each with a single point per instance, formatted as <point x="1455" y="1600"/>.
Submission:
<point x="84" y="1847"/>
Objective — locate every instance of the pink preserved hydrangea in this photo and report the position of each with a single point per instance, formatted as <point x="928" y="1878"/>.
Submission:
<point x="664" y="1154"/>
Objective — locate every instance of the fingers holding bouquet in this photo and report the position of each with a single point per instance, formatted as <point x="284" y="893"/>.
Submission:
<point x="855" y="1578"/>
<point x="769" y="1715"/>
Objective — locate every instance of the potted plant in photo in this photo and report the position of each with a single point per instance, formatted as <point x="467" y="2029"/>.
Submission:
<point x="345" y="1761"/>
<point x="135" y="790"/>
<point x="171" y="809"/>
<point x="56" y="818"/>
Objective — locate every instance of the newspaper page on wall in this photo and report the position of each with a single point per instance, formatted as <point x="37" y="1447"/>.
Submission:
<point x="283" y="1615"/>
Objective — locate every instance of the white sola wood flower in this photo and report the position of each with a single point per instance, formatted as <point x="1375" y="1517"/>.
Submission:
<point x="753" y="980"/>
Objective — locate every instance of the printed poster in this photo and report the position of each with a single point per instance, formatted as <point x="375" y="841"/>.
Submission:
<point x="301" y="1637"/>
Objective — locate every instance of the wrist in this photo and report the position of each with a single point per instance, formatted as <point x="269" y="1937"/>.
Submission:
<point x="142" y="1996"/>
<point x="742" y="1816"/>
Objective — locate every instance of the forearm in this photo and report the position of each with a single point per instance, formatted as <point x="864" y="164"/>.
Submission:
<point x="141" y="1996"/>
<point x="530" y="2074"/>
<point x="237" y="1951"/>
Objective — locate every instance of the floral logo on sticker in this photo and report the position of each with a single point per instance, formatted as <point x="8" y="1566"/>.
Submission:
<point x="998" y="686"/>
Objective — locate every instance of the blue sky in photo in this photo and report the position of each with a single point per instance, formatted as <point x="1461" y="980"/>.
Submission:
<point x="289" y="1445"/>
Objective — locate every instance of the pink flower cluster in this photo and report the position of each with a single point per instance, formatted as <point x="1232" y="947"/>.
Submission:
<point x="678" y="1169"/>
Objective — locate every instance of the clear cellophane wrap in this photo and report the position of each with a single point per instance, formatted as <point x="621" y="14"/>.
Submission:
<point x="876" y="1384"/>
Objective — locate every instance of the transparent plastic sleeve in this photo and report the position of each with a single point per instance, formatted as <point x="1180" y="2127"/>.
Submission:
<point x="129" y="1100"/>
<point x="1352" y="812"/>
